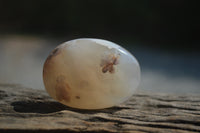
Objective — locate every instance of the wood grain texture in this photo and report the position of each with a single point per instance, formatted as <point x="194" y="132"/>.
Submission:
<point x="28" y="110"/>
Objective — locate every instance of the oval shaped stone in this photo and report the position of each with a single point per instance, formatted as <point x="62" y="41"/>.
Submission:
<point x="91" y="74"/>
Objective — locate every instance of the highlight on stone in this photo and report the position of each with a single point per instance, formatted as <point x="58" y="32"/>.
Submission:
<point x="91" y="74"/>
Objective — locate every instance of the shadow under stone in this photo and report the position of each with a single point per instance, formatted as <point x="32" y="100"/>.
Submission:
<point x="37" y="107"/>
<point x="45" y="107"/>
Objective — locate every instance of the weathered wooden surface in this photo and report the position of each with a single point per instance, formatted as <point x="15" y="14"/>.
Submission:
<point x="28" y="110"/>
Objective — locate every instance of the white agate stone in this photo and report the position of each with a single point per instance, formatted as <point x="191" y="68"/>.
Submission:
<point x="91" y="74"/>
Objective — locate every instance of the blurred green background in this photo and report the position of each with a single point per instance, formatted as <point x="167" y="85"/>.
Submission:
<point x="163" y="36"/>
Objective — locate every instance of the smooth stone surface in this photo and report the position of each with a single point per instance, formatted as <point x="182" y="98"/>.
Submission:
<point x="91" y="74"/>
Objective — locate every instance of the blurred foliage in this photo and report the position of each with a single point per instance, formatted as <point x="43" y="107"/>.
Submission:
<point x="172" y="23"/>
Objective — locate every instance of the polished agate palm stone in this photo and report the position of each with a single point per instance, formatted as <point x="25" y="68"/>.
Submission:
<point x="91" y="74"/>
